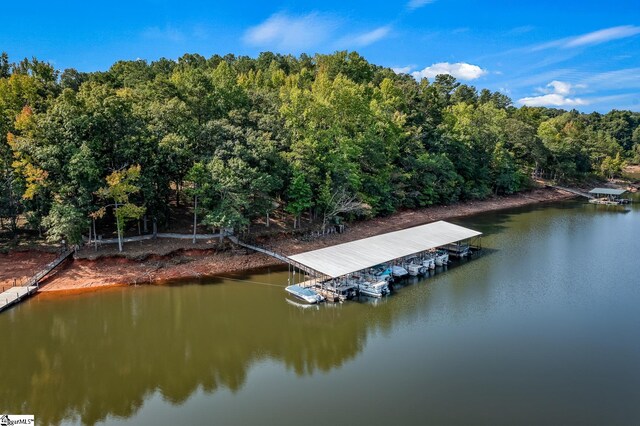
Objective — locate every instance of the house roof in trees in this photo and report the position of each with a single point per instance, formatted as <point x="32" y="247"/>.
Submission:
<point x="343" y="259"/>
<point x="607" y="191"/>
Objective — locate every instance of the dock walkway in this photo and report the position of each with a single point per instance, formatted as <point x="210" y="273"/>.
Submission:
<point x="571" y="190"/>
<point x="278" y="256"/>
<point x="15" y="294"/>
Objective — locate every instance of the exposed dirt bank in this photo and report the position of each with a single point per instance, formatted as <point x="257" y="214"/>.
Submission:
<point x="158" y="261"/>
<point x="19" y="266"/>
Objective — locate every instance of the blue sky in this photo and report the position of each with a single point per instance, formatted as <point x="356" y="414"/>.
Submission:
<point x="583" y="55"/>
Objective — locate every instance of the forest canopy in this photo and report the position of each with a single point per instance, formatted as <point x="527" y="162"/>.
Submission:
<point x="332" y="135"/>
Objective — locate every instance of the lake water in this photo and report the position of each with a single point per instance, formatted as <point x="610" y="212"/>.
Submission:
<point x="543" y="328"/>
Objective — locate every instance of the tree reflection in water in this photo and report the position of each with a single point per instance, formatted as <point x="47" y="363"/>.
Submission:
<point x="90" y="356"/>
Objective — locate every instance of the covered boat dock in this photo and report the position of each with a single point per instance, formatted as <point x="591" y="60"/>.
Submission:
<point x="608" y="196"/>
<point x="343" y="259"/>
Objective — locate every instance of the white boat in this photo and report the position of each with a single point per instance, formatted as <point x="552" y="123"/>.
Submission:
<point x="429" y="263"/>
<point x="379" y="289"/>
<point x="399" y="271"/>
<point x="415" y="267"/>
<point x="343" y="290"/>
<point x="304" y="293"/>
<point x="442" y="258"/>
<point x="414" y="270"/>
<point x="382" y="287"/>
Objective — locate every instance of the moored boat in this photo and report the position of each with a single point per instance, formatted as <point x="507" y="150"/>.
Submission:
<point x="378" y="289"/>
<point x="304" y="293"/>
<point x="429" y="263"/>
<point x="343" y="290"/>
<point x="442" y="258"/>
<point x="413" y="269"/>
<point x="399" y="271"/>
<point x="382" y="287"/>
<point x="381" y="272"/>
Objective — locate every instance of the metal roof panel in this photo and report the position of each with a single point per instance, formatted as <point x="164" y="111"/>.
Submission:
<point x="361" y="254"/>
<point x="607" y="191"/>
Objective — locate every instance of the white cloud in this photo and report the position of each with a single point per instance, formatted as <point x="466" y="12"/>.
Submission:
<point x="556" y="94"/>
<point x="286" y="32"/>
<point x="602" y="36"/>
<point x="402" y="70"/>
<point x="523" y="80"/>
<point x="552" y="99"/>
<point x="417" y="4"/>
<point x="561" y="87"/>
<point x="460" y="70"/>
<point x="592" y="38"/>
<point x="622" y="79"/>
<point x="369" y="37"/>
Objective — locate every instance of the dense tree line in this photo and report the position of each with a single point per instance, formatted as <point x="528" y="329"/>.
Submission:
<point x="328" y="136"/>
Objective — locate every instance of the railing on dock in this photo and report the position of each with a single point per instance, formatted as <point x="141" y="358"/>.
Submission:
<point x="16" y="293"/>
<point x="571" y="190"/>
<point x="271" y="253"/>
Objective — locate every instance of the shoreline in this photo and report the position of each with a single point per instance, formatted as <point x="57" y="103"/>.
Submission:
<point x="86" y="275"/>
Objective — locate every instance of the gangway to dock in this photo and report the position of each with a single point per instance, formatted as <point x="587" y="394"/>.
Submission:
<point x="273" y="254"/>
<point x="571" y="190"/>
<point x="17" y="293"/>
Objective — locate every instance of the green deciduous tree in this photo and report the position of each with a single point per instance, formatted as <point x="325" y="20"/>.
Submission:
<point x="243" y="136"/>
<point x="65" y="221"/>
<point x="299" y="197"/>
<point x="200" y="187"/>
<point x="120" y="186"/>
<point x="612" y="167"/>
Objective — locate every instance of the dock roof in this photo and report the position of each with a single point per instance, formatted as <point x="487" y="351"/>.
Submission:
<point x="607" y="191"/>
<point x="354" y="256"/>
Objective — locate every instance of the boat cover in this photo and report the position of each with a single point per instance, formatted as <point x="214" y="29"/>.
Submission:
<point x="343" y="259"/>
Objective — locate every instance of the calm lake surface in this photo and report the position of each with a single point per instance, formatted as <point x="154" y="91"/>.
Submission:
<point x="543" y="328"/>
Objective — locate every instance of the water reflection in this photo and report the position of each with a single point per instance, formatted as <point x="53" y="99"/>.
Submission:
<point x="499" y="330"/>
<point x="95" y="355"/>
